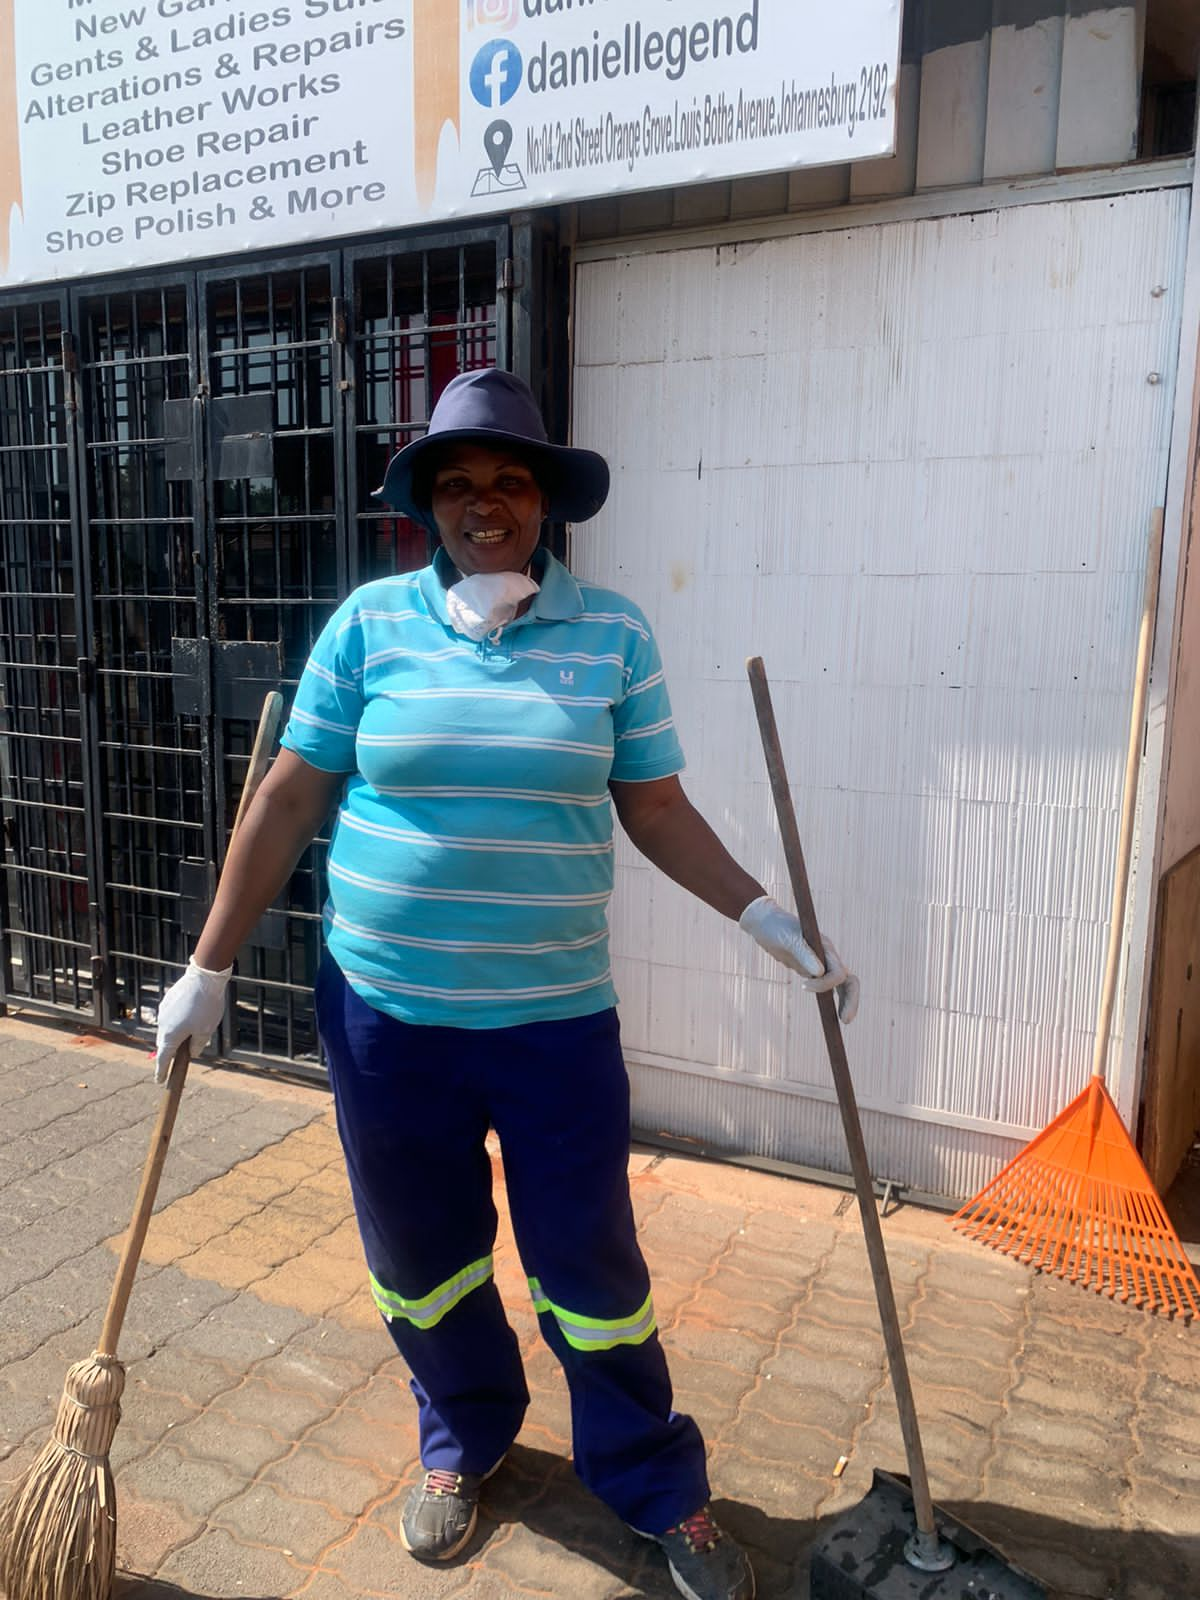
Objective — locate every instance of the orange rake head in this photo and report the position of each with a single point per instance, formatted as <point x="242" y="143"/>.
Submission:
<point x="1078" y="1202"/>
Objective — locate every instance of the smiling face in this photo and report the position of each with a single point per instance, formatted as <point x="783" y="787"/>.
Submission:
<point x="488" y="509"/>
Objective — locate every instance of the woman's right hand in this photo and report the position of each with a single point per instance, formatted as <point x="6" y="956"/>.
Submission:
<point x="191" y="1009"/>
<point x="779" y="933"/>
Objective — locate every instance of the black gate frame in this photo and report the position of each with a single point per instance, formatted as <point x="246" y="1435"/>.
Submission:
<point x="529" y="337"/>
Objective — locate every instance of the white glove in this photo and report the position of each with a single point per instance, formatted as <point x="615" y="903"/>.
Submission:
<point x="191" y="1009"/>
<point x="778" y="932"/>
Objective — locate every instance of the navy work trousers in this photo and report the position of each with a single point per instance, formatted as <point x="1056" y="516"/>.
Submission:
<point x="414" y="1105"/>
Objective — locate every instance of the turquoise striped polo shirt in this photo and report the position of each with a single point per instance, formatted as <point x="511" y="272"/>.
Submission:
<point x="471" y="863"/>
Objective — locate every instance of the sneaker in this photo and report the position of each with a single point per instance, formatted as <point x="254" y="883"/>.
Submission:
<point x="440" y="1514"/>
<point x="705" y="1562"/>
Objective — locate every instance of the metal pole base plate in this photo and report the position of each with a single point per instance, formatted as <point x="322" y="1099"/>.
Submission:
<point x="862" y="1556"/>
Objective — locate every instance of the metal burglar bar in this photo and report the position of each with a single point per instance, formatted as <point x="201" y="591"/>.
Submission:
<point x="419" y="320"/>
<point x="145" y="557"/>
<point x="273" y="355"/>
<point x="171" y="548"/>
<point x="47" y="933"/>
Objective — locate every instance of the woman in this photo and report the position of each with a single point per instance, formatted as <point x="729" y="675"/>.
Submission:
<point x="476" y="718"/>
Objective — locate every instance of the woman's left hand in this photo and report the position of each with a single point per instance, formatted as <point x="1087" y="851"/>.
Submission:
<point x="778" y="932"/>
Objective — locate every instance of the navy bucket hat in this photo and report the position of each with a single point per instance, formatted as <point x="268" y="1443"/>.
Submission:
<point x="495" y="408"/>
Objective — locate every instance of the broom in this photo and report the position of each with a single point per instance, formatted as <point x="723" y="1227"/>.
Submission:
<point x="58" y="1529"/>
<point x="1077" y="1201"/>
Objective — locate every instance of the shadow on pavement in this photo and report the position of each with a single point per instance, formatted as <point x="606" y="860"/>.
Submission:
<point x="538" y="1494"/>
<point x="1083" y="1563"/>
<point x="539" y="1491"/>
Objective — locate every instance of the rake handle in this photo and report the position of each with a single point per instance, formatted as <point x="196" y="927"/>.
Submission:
<point x="847" y="1105"/>
<point x="1133" y="761"/>
<point x="160" y="1139"/>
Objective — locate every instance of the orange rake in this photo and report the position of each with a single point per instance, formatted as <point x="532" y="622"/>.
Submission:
<point x="1077" y="1201"/>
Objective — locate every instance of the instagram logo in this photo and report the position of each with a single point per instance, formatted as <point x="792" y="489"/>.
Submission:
<point x="498" y="14"/>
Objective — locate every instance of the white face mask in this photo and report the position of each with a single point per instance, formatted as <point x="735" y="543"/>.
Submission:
<point x="486" y="602"/>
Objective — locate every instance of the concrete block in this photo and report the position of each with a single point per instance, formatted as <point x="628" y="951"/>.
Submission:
<point x="742" y="1352"/>
<point x="241" y="1331"/>
<point x="739" y="1311"/>
<point x="810" y="1449"/>
<point x="696" y="1219"/>
<point x="147" y="1533"/>
<point x="346" y="1488"/>
<point x="72" y="1294"/>
<point x="168" y="1476"/>
<point x="963" y="1311"/>
<point x="777" y="1489"/>
<point x="172" y="1370"/>
<point x="1160" y="1503"/>
<point x="389" y="1449"/>
<point x="244" y="1448"/>
<point x="983" y="1345"/>
<point x="216" y="1561"/>
<point x="264" y="1516"/>
<point x="1032" y="1391"/>
<point x="373" y="1555"/>
<point x="1054" y="1485"/>
<point x="305" y="1370"/>
<point x="842" y="1375"/>
<point x="288" y="1412"/>
<point x="21" y="1052"/>
<point x="830" y="1310"/>
<point x="722" y="1388"/>
<point x="50" y="1102"/>
<point x="808" y="1406"/>
<point x="786" y="1242"/>
<point x="149" y="1416"/>
<point x="529" y="1560"/>
<point x="364" y="1351"/>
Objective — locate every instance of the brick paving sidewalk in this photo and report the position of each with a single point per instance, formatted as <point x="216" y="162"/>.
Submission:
<point x="268" y="1437"/>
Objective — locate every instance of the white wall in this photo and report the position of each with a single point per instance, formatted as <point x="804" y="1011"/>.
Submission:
<point x="912" y="466"/>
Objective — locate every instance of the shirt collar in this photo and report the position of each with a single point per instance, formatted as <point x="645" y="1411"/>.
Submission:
<point x="558" y="598"/>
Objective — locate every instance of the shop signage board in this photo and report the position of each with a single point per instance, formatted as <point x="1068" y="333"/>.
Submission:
<point x="134" y="132"/>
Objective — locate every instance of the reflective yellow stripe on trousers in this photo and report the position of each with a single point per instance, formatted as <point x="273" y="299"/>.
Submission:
<point x="431" y="1308"/>
<point x="597" y="1333"/>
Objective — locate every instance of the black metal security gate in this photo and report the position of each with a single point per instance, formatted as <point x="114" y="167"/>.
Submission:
<point x="186" y="462"/>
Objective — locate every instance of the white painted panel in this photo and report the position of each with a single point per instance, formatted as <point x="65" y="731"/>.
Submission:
<point x="1025" y="68"/>
<point x="912" y="466"/>
<point x="1098" y="96"/>
<point x="952" y="120"/>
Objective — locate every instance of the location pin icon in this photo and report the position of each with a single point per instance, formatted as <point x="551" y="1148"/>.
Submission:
<point x="497" y="141"/>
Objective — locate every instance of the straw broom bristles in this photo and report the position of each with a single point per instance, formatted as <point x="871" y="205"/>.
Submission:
<point x="58" y="1528"/>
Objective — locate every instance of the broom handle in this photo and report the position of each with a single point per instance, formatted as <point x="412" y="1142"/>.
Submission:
<point x="160" y="1139"/>
<point x="1133" y="761"/>
<point x="859" y="1165"/>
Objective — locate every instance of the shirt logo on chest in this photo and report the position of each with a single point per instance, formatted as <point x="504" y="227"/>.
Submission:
<point x="567" y="679"/>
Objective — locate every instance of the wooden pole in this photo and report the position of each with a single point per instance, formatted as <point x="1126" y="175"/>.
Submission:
<point x="131" y="1250"/>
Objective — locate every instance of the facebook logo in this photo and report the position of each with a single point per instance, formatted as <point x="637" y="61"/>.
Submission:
<point x="496" y="73"/>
